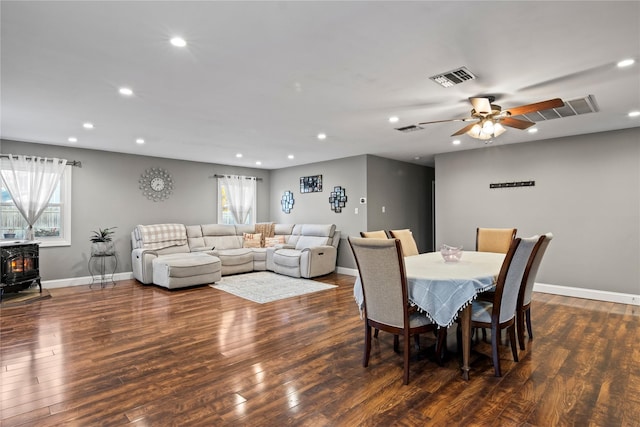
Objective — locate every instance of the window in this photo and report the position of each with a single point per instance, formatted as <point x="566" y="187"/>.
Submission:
<point x="53" y="228"/>
<point x="236" y="200"/>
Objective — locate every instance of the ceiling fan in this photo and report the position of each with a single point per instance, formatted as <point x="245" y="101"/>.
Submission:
<point x="489" y="119"/>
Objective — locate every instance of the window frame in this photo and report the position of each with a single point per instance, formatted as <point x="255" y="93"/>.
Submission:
<point x="221" y="217"/>
<point x="65" y="213"/>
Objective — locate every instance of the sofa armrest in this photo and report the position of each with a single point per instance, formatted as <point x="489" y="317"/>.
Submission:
<point x="141" y="263"/>
<point x="318" y="261"/>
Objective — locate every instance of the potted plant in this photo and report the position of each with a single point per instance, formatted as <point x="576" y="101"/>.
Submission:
<point x="101" y="242"/>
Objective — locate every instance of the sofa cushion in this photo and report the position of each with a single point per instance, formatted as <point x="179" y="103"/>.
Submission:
<point x="287" y="257"/>
<point x="270" y="242"/>
<point x="251" y="240"/>
<point x="311" y="241"/>
<point x="194" y="238"/>
<point x="235" y="256"/>
<point x="187" y="265"/>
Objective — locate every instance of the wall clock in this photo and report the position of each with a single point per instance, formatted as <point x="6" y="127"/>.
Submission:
<point x="156" y="184"/>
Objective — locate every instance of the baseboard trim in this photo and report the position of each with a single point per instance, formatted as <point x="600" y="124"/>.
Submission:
<point x="593" y="294"/>
<point x="348" y="271"/>
<point x="78" y="281"/>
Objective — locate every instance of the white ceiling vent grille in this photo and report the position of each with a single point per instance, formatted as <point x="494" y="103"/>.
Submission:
<point x="453" y="77"/>
<point x="574" y="107"/>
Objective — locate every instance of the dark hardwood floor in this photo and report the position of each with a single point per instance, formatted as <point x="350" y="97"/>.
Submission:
<point x="145" y="356"/>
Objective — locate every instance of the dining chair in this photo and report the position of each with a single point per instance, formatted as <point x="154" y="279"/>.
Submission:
<point x="495" y="240"/>
<point x="409" y="247"/>
<point x="379" y="234"/>
<point x="523" y="308"/>
<point x="500" y="313"/>
<point x="384" y="287"/>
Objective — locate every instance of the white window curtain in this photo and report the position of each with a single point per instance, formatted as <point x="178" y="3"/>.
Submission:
<point x="241" y="195"/>
<point x="31" y="181"/>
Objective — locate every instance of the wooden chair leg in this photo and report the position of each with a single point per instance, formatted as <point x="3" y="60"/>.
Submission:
<point x="495" y="342"/>
<point x="520" y="328"/>
<point x="407" y="350"/>
<point x="512" y="338"/>
<point x="416" y="339"/>
<point x="396" y="343"/>
<point x="528" y="316"/>
<point x="367" y="344"/>
<point x="375" y="332"/>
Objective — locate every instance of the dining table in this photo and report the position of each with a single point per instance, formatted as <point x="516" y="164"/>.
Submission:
<point x="444" y="291"/>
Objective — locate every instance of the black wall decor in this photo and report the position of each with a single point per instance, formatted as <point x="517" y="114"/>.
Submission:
<point x="513" y="184"/>
<point x="338" y="199"/>
<point x="311" y="184"/>
<point x="287" y="201"/>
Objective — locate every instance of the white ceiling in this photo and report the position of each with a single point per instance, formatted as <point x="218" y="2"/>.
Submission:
<point x="264" y="78"/>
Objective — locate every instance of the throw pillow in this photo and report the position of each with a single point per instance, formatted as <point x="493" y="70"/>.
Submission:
<point x="270" y="242"/>
<point x="267" y="229"/>
<point x="250" y="240"/>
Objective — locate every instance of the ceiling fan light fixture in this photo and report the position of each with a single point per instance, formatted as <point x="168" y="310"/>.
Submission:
<point x="498" y="129"/>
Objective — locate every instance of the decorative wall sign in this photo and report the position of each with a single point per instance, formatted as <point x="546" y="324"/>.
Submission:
<point x="156" y="184"/>
<point x="287" y="201"/>
<point x="338" y="199"/>
<point x="311" y="184"/>
<point x="513" y="184"/>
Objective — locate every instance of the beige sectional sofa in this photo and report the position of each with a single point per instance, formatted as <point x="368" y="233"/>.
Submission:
<point x="175" y="255"/>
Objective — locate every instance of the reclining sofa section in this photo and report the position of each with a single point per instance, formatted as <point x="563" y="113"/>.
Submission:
<point x="175" y="255"/>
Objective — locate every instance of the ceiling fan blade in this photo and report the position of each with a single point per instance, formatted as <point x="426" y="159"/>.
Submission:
<point x="538" y="106"/>
<point x="481" y="105"/>
<point x="465" y="129"/>
<point x="516" y="123"/>
<point x="443" y="121"/>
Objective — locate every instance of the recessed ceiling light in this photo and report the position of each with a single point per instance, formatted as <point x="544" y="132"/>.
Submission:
<point x="416" y="158"/>
<point x="456" y="142"/>
<point x="239" y="155"/>
<point x="533" y="130"/>
<point x="125" y="91"/>
<point x="634" y="114"/>
<point x="393" y="119"/>
<point x="139" y="141"/>
<point x="87" y="125"/>
<point x="322" y="136"/>
<point x="178" y="42"/>
<point x="258" y="163"/>
<point x="626" y="62"/>
<point x="290" y="156"/>
<point x="73" y="139"/>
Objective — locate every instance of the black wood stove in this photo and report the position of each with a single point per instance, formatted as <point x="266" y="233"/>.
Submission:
<point x="19" y="266"/>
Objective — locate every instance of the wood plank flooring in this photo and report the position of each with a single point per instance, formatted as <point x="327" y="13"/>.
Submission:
<point x="135" y="355"/>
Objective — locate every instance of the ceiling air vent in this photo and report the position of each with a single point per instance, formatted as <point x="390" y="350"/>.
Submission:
<point x="410" y="128"/>
<point x="574" y="107"/>
<point x="453" y="77"/>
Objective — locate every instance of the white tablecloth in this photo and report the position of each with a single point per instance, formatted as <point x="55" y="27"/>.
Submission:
<point x="442" y="289"/>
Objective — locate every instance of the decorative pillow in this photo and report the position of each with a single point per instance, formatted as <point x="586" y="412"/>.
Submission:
<point x="267" y="229"/>
<point x="270" y="242"/>
<point x="251" y="240"/>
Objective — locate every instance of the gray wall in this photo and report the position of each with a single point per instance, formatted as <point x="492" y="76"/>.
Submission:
<point x="349" y="173"/>
<point x="105" y="193"/>
<point x="405" y="190"/>
<point x="587" y="192"/>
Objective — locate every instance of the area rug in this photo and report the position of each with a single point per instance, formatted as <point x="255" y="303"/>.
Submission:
<point x="265" y="286"/>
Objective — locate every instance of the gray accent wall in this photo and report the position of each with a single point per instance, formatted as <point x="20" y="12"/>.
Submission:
<point x="587" y="193"/>
<point x="405" y="191"/>
<point x="105" y="193"/>
<point x="403" y="188"/>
